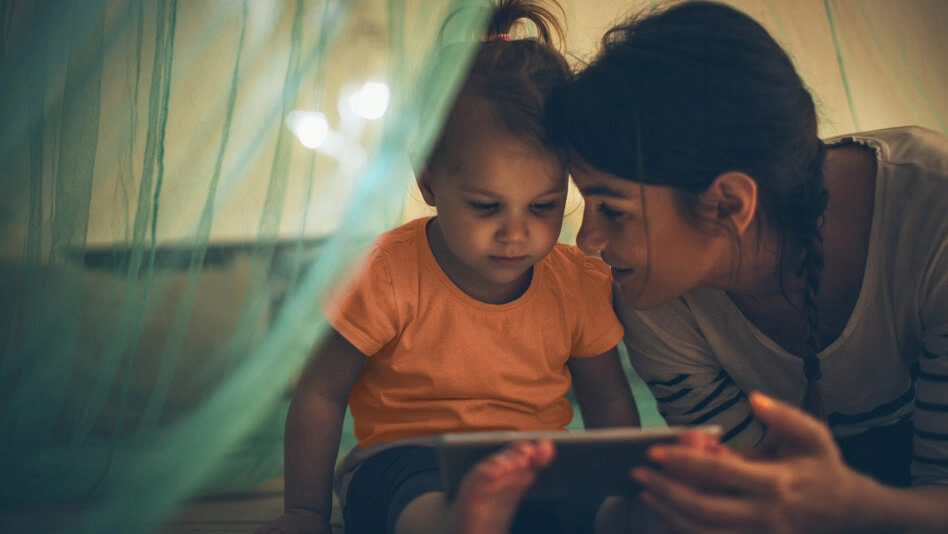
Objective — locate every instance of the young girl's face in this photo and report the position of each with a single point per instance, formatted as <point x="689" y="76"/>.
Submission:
<point x="656" y="254"/>
<point x="500" y="207"/>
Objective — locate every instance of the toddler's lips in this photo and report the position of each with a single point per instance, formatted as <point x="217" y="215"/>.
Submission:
<point x="508" y="261"/>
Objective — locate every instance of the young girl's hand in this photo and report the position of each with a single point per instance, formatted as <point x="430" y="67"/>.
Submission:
<point x="798" y="484"/>
<point x="297" y="522"/>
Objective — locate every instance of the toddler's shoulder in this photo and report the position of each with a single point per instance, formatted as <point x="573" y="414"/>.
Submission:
<point x="578" y="269"/>
<point x="399" y="247"/>
<point x="570" y="257"/>
<point x="391" y="258"/>
<point x="406" y="235"/>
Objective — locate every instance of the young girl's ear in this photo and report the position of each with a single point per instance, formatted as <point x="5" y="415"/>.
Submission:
<point x="733" y="197"/>
<point x="424" y="185"/>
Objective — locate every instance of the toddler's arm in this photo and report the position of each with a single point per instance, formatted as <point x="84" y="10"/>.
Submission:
<point x="311" y="441"/>
<point x="602" y="391"/>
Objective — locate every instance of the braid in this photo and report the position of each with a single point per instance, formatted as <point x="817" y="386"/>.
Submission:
<point x="811" y="270"/>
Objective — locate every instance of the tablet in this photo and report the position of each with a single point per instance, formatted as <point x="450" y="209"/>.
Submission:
<point x="590" y="462"/>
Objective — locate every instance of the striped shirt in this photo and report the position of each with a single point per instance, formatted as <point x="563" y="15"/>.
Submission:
<point x="701" y="356"/>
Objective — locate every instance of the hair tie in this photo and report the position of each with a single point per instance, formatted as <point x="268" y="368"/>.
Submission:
<point x="501" y="36"/>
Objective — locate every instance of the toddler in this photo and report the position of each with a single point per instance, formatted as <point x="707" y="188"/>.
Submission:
<point x="475" y="319"/>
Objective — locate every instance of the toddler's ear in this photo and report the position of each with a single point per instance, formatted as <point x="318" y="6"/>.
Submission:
<point x="424" y="179"/>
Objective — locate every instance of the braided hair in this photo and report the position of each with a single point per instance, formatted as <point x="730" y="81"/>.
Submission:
<point x="678" y="96"/>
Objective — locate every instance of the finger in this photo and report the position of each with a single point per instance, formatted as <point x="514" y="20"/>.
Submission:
<point x="692" y="507"/>
<point x="714" y="471"/>
<point x="791" y="428"/>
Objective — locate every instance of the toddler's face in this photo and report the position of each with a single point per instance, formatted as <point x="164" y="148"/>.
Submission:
<point x="500" y="208"/>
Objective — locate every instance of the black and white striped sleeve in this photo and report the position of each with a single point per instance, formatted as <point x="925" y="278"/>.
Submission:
<point x="930" y="458"/>
<point x="667" y="350"/>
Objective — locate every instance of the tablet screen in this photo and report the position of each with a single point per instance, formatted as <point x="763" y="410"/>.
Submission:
<point x="589" y="463"/>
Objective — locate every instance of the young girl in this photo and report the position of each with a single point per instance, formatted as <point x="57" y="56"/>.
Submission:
<point x="473" y="320"/>
<point x="751" y="255"/>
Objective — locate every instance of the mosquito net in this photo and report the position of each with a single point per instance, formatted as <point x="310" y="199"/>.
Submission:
<point x="181" y="181"/>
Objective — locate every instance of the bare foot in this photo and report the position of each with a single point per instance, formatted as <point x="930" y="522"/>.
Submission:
<point x="490" y="493"/>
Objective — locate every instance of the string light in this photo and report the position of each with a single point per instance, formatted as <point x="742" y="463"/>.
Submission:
<point x="310" y="127"/>
<point x="370" y="101"/>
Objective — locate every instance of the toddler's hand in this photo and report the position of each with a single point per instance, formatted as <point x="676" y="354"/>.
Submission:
<point x="297" y="522"/>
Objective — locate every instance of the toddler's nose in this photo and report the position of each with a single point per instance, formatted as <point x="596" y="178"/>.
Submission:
<point x="514" y="230"/>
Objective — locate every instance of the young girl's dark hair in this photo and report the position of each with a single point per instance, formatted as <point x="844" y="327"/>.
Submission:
<point x="516" y="76"/>
<point x="679" y="96"/>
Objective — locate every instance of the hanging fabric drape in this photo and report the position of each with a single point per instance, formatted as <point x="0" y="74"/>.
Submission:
<point x="181" y="184"/>
<point x="168" y="236"/>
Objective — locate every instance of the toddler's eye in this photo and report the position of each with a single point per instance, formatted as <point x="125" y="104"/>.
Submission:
<point x="608" y="212"/>
<point x="484" y="207"/>
<point x="543" y="206"/>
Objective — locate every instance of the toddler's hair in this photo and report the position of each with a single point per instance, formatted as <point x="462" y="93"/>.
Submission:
<point x="514" y="76"/>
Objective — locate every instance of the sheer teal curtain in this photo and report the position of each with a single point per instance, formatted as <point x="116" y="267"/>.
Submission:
<point x="167" y="236"/>
<point x="182" y="181"/>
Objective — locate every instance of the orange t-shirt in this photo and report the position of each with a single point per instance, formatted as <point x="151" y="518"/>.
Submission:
<point x="441" y="361"/>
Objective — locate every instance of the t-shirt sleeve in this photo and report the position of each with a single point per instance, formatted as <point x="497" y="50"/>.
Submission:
<point x="600" y="329"/>
<point x="668" y="351"/>
<point x="366" y="311"/>
<point x="930" y="459"/>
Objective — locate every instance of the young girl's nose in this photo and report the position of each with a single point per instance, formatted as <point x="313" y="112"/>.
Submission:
<point x="514" y="229"/>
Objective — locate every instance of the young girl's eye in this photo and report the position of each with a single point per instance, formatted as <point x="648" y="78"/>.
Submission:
<point x="608" y="212"/>
<point x="543" y="207"/>
<point x="484" y="207"/>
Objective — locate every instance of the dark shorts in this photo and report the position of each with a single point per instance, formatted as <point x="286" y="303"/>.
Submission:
<point x="385" y="483"/>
